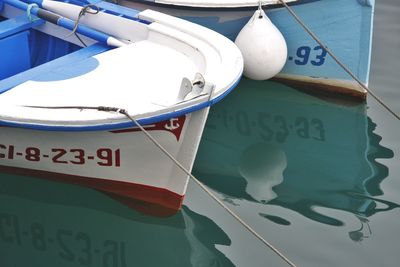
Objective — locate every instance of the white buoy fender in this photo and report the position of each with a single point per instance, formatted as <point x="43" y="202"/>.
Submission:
<point x="263" y="47"/>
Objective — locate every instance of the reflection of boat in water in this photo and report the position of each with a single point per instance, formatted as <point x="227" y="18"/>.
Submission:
<point x="45" y="223"/>
<point x="280" y="147"/>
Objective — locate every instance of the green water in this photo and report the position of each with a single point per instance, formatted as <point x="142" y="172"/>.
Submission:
<point x="316" y="177"/>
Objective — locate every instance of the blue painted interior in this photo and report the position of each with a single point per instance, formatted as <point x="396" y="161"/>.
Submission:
<point x="13" y="63"/>
<point x="33" y="47"/>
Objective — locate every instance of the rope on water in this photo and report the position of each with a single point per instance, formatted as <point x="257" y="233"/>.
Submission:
<point x="345" y="68"/>
<point x="178" y="164"/>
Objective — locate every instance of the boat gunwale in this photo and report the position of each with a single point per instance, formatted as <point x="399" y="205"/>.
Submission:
<point x="124" y="124"/>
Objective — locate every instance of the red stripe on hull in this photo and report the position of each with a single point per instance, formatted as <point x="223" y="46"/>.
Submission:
<point x="173" y="125"/>
<point x="144" y="198"/>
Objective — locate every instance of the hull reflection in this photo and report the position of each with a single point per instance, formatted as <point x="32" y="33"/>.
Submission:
<point x="270" y="144"/>
<point x="56" y="224"/>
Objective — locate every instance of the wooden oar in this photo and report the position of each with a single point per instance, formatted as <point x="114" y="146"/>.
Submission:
<point x="65" y="23"/>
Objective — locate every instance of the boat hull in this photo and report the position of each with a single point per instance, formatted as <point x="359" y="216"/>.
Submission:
<point x="124" y="162"/>
<point x="346" y="32"/>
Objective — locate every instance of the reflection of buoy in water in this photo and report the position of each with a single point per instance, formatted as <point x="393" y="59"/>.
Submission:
<point x="263" y="47"/>
<point x="262" y="166"/>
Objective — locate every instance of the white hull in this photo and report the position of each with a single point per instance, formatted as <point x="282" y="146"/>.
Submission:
<point x="123" y="162"/>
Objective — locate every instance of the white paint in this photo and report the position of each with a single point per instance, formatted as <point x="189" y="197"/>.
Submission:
<point x="263" y="47"/>
<point x="141" y="161"/>
<point x="222" y="58"/>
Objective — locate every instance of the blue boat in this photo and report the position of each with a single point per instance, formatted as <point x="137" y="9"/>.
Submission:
<point x="84" y="90"/>
<point x="344" y="26"/>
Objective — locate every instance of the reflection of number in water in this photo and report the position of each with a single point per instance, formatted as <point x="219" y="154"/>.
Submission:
<point x="38" y="241"/>
<point x="266" y="126"/>
<point x="266" y="133"/>
<point x="302" y="127"/>
<point x="5" y="224"/>
<point x="242" y="123"/>
<point x="86" y="256"/>
<point x="110" y="257"/>
<point x="66" y="253"/>
<point x="283" y="132"/>
<point x="319" y="126"/>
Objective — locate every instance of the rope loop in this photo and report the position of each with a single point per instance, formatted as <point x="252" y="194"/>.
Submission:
<point x="260" y="16"/>
<point x="89" y="9"/>
<point x="28" y="12"/>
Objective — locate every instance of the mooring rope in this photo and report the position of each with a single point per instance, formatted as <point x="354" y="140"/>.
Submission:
<point x="90" y="9"/>
<point x="344" y="67"/>
<point x="233" y="214"/>
<point x="178" y="164"/>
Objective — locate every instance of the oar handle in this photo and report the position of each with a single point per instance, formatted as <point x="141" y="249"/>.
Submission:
<point x="65" y="22"/>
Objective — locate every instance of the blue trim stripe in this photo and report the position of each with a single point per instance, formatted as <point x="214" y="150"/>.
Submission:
<point x="122" y="125"/>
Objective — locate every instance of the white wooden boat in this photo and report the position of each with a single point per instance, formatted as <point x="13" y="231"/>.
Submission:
<point x="61" y="117"/>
